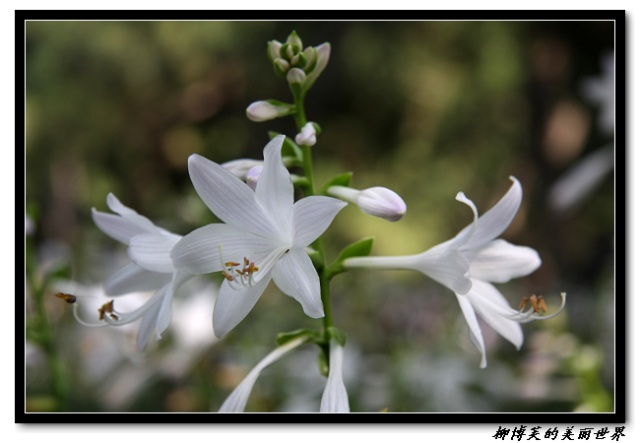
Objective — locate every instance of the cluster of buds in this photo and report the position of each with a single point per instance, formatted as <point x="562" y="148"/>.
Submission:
<point x="299" y="66"/>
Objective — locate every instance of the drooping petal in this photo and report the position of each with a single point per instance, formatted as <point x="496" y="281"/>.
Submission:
<point x="489" y="303"/>
<point x="334" y="397"/>
<point x="117" y="227"/>
<point x="474" y="327"/>
<point x="312" y="216"/>
<point x="233" y="305"/>
<point x="228" y="197"/>
<point x="295" y="275"/>
<point x="133" y="278"/>
<point x="500" y="261"/>
<point x="150" y="318"/>
<point x="493" y="222"/>
<point x="199" y="251"/>
<point x="164" y="313"/>
<point x="274" y="190"/>
<point x="237" y="400"/>
<point x="152" y="251"/>
<point x="132" y="216"/>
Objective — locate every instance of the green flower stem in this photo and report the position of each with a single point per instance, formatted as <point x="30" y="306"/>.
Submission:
<point x="307" y="166"/>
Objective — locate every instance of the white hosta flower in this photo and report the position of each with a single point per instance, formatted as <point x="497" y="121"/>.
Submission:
<point x="237" y="400"/>
<point x="152" y="269"/>
<point x="264" y="237"/>
<point x="469" y="261"/>
<point x="601" y="91"/>
<point x="264" y="110"/>
<point x="307" y="135"/>
<point x="334" y="397"/>
<point x="377" y="201"/>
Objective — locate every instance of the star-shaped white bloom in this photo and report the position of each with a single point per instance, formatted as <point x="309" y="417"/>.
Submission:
<point x="263" y="238"/>
<point x="151" y="269"/>
<point x="469" y="262"/>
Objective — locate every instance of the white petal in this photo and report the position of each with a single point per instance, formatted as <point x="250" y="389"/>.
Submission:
<point x="274" y="190"/>
<point x="449" y="268"/>
<point x="117" y="227"/>
<point x="233" y="305"/>
<point x="500" y="261"/>
<point x="228" y="197"/>
<point x="474" y="327"/>
<point x="237" y="400"/>
<point x="150" y="319"/>
<point x="493" y="222"/>
<point x="312" y="216"/>
<point x="152" y="251"/>
<point x="334" y="397"/>
<point x="199" y="251"/>
<point x="295" y="275"/>
<point x="133" y="278"/>
<point x="164" y="314"/>
<point x="489" y="303"/>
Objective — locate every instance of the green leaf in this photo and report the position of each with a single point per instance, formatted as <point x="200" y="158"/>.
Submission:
<point x="338" y="180"/>
<point x="284" y="337"/>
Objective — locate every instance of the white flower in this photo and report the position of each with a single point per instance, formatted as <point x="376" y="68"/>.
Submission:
<point x="334" y="398"/>
<point x="601" y="91"/>
<point x="265" y="110"/>
<point x="377" y="201"/>
<point x="469" y="261"/>
<point x="264" y="237"/>
<point x="237" y="400"/>
<point x="152" y="269"/>
<point x="307" y="135"/>
<point x="253" y="175"/>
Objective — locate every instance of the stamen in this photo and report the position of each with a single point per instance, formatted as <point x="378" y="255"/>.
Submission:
<point x="538" y="306"/>
<point x="69" y="298"/>
<point x="238" y="278"/>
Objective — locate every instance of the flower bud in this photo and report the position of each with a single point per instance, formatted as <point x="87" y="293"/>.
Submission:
<point x="307" y="135"/>
<point x="253" y="175"/>
<point x="377" y="201"/>
<point x="296" y="76"/>
<point x="281" y="66"/>
<point x="295" y="42"/>
<point x="273" y="50"/>
<point x="323" y="52"/>
<point x="241" y="167"/>
<point x="265" y="110"/>
<point x="311" y="56"/>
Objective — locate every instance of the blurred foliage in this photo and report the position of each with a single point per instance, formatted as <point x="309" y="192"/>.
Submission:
<point x="425" y="108"/>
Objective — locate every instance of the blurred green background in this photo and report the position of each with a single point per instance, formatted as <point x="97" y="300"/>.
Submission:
<point x="424" y="108"/>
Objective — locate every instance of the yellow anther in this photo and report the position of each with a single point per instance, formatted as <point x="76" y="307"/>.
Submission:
<point x="231" y="264"/>
<point x="69" y="298"/>
<point x="524" y="301"/>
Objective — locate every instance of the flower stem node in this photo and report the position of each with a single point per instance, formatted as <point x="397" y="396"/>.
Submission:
<point x="377" y="201"/>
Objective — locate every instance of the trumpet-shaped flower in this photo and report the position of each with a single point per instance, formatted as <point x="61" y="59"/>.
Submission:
<point x="468" y="263"/>
<point x="151" y="269"/>
<point x="263" y="238"/>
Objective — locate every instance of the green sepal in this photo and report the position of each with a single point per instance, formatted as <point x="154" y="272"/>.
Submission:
<point x="323" y="360"/>
<point x="361" y="248"/>
<point x="313" y="336"/>
<point x="289" y="147"/>
<point x="337" y="335"/>
<point x="338" y="180"/>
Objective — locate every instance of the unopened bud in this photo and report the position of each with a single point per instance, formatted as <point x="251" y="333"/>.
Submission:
<point x="241" y="167"/>
<point x="307" y="135"/>
<point x="281" y="66"/>
<point x="295" y="42"/>
<point x="253" y="175"/>
<point x="323" y="52"/>
<point x="296" y="76"/>
<point x="273" y="50"/>
<point x="265" y="110"/>
<point x="377" y="201"/>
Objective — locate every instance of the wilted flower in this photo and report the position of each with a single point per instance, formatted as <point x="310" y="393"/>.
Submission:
<point x="264" y="237"/>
